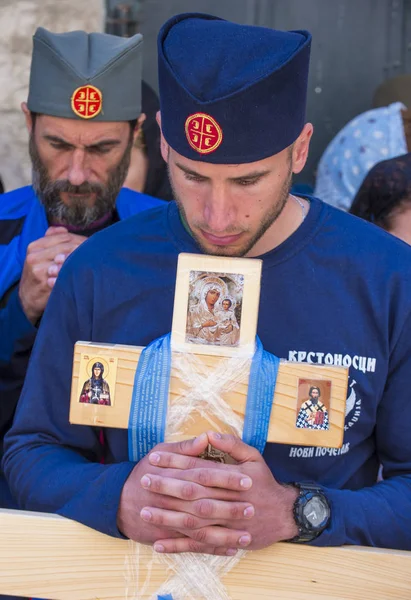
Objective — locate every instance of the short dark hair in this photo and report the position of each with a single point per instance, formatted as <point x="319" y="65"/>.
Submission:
<point x="227" y="300"/>
<point x="386" y="190"/>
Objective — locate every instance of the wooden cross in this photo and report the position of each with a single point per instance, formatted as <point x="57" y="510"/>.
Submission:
<point x="213" y="340"/>
<point x="200" y="351"/>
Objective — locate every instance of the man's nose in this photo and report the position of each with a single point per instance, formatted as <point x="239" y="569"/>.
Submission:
<point x="219" y="210"/>
<point x="77" y="170"/>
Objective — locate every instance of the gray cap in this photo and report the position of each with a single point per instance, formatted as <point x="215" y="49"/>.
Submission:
<point x="81" y="75"/>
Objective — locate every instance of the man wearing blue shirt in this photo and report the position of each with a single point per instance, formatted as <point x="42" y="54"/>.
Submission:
<point x="335" y="290"/>
<point x="81" y="134"/>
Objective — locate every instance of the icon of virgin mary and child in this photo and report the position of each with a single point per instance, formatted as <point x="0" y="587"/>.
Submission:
<point x="212" y="319"/>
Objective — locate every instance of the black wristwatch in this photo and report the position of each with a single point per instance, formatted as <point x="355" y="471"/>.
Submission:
<point x="311" y="512"/>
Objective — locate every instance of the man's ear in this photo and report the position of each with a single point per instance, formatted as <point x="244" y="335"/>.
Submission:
<point x="27" y="116"/>
<point x="164" y="147"/>
<point x="301" y="147"/>
<point x="139" y="125"/>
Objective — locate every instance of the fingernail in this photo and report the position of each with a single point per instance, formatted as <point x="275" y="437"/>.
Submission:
<point x="154" y="458"/>
<point x="246" y="483"/>
<point x="201" y="438"/>
<point x="216" y="436"/>
<point x="244" y="540"/>
<point x="231" y="552"/>
<point x="145" y="515"/>
<point x="249" y="511"/>
<point x="145" y="481"/>
<point x="60" y="257"/>
<point x="159" y="548"/>
<point x="53" y="270"/>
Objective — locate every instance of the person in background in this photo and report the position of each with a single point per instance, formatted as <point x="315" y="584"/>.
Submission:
<point x="147" y="171"/>
<point x="81" y="136"/>
<point x="381" y="133"/>
<point x="384" y="197"/>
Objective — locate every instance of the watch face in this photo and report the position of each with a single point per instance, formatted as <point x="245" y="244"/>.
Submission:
<point x="316" y="512"/>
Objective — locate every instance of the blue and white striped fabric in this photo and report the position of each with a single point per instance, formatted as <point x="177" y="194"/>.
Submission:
<point x="148" y="409"/>
<point x="371" y="137"/>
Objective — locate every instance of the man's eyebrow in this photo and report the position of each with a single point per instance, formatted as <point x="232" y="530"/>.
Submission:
<point x="57" y="140"/>
<point x="102" y="143"/>
<point x="190" y="171"/>
<point x="252" y="175"/>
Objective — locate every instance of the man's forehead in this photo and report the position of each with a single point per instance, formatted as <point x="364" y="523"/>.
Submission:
<point x="233" y="171"/>
<point x="80" y="132"/>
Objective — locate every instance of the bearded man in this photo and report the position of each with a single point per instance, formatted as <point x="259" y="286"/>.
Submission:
<point x="83" y="114"/>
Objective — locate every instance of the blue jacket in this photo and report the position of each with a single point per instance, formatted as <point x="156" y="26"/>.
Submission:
<point x="23" y="220"/>
<point x="337" y="291"/>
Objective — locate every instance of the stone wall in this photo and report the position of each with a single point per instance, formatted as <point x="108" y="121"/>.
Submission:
<point x="18" y="21"/>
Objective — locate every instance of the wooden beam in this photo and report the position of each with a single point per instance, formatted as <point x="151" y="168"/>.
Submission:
<point x="282" y="430"/>
<point x="47" y="556"/>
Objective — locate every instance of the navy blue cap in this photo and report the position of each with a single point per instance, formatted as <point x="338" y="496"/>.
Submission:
<point x="231" y="93"/>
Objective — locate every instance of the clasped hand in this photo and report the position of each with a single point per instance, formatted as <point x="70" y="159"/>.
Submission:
<point x="182" y="503"/>
<point x="43" y="262"/>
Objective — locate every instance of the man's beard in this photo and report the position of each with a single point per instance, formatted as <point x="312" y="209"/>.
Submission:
<point x="265" y="223"/>
<point x="77" y="214"/>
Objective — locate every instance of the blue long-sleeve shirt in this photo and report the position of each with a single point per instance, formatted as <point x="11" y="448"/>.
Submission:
<point x="23" y="220"/>
<point x="337" y="291"/>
